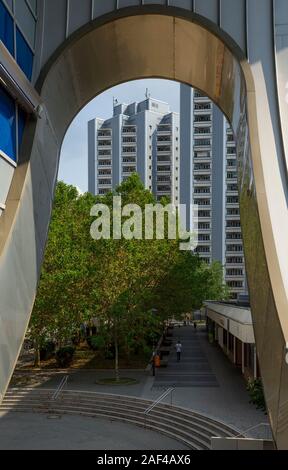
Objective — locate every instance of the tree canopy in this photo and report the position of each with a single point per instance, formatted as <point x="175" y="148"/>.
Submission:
<point x="121" y="282"/>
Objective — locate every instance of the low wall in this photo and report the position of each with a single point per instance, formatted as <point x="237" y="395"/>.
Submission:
<point x="221" y="443"/>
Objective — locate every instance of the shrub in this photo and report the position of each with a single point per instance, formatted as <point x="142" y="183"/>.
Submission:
<point x="47" y="351"/>
<point x="96" y="342"/>
<point x="64" y="356"/>
<point x="255" y="389"/>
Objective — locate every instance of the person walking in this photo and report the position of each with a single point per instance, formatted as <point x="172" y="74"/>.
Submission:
<point x="178" y="350"/>
<point x="153" y="363"/>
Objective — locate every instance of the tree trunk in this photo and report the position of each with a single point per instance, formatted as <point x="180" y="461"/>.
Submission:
<point x="37" y="361"/>
<point x="117" y="375"/>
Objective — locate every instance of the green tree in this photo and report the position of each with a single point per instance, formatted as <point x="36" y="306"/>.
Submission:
<point x="121" y="282"/>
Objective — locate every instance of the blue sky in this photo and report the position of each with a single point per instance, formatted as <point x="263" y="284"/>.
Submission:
<point x="74" y="154"/>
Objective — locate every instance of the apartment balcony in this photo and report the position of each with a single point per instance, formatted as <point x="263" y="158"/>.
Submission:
<point x="204" y="218"/>
<point x="235" y="277"/>
<point x="201" y="99"/>
<point x="104" y="153"/>
<point x="164" y="132"/>
<point x="232" y="205"/>
<point x="203" y="132"/>
<point x="107" y="158"/>
<point x="128" y="168"/>
<point x="232" y="180"/>
<point x="128" y="152"/>
<point x="202" y="146"/>
<point x="232" y="193"/>
<point x="129" y="130"/>
<point x="198" y="198"/>
<point x="164" y="162"/>
<point x="203" y="253"/>
<point x="165" y="173"/>
<point x="104" y="142"/>
<point x="105" y="185"/>
<point x="202" y="231"/>
<point x="231" y="155"/>
<point x="203" y="208"/>
<point x="233" y="251"/>
<point x="129" y="160"/>
<point x="233" y="216"/>
<point x="202" y="159"/>
<point x="100" y="168"/>
<point x="202" y="183"/>
<point x="203" y="194"/>
<point x="104" y="136"/>
<point x="203" y="109"/>
<point x="205" y="232"/>
<point x="163" y="190"/>
<point x="203" y="123"/>
<point x="164" y="151"/>
<point x="129" y="144"/>
<point x="105" y="178"/>
<point x="164" y="182"/>
<point x="233" y="229"/>
<point x="204" y="243"/>
<point x="201" y="172"/>
<point x="162" y="140"/>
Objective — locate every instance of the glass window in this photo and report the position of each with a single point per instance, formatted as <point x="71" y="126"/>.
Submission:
<point x="24" y="55"/>
<point x="26" y="21"/>
<point x="33" y="5"/>
<point x="9" y="3"/>
<point x="7" y="125"/>
<point x="6" y="28"/>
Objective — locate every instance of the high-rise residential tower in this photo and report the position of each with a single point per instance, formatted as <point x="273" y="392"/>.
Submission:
<point x="190" y="158"/>
<point x="208" y="168"/>
<point x="140" y="137"/>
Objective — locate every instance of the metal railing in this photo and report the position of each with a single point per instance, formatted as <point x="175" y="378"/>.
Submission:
<point x="158" y="401"/>
<point x="60" y="387"/>
<point x="260" y="435"/>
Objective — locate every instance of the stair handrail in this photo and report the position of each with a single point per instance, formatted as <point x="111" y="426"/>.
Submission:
<point x="159" y="400"/>
<point x="60" y="387"/>
<point x="252" y="428"/>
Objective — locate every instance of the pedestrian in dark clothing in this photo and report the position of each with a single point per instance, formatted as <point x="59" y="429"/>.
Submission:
<point x="153" y="364"/>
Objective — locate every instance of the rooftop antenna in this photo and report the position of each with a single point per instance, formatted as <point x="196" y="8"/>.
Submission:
<point x="115" y="101"/>
<point x="147" y="94"/>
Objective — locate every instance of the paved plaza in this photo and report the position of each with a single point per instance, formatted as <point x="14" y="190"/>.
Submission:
<point x="77" y="433"/>
<point x="204" y="381"/>
<point x="193" y="370"/>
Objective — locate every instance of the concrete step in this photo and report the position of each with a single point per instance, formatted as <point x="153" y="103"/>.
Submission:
<point x="191" y="438"/>
<point x="121" y="401"/>
<point x="186" y="426"/>
<point x="76" y="400"/>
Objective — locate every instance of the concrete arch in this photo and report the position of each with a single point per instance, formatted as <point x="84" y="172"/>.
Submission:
<point x="126" y="46"/>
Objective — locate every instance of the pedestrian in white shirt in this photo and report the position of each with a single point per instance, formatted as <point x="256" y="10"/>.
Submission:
<point x="178" y="350"/>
